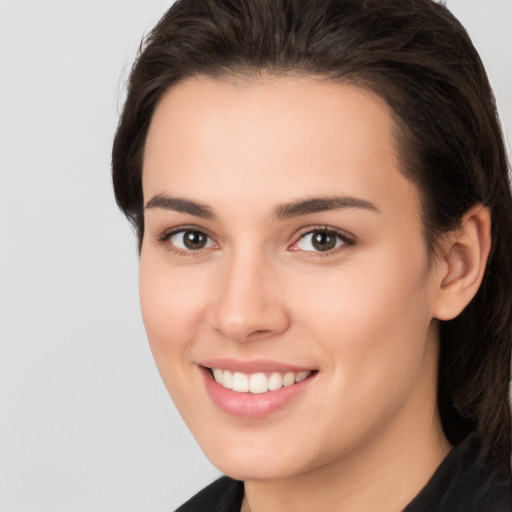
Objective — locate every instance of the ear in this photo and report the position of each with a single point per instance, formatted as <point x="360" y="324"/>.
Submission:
<point x="462" y="264"/>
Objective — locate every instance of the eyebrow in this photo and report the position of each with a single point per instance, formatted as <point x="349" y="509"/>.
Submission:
<point x="321" y="204"/>
<point x="281" y="212"/>
<point x="179" y="204"/>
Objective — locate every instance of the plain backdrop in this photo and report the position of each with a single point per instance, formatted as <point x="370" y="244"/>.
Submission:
<point x="85" y="422"/>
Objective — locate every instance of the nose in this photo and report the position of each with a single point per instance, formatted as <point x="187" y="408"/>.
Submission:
<point x="250" y="302"/>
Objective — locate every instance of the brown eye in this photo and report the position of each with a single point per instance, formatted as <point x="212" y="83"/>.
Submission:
<point x="190" y="240"/>
<point x="321" y="240"/>
<point x="194" y="239"/>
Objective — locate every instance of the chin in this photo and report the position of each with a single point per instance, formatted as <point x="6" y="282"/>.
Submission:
<point x="254" y="461"/>
<point x="248" y="470"/>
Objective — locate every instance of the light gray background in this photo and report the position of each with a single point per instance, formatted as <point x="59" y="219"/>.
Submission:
<point x="85" y="423"/>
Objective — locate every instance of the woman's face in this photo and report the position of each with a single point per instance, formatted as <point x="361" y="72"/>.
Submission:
<point x="284" y="249"/>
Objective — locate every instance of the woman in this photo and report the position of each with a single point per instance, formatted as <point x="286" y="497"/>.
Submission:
<point x="321" y="198"/>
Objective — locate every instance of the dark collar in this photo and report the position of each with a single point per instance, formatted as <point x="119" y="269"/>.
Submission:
<point x="470" y="479"/>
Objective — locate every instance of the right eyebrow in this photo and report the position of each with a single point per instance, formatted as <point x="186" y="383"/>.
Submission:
<point x="179" y="204"/>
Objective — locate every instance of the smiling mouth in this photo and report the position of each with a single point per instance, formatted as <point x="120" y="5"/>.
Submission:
<point x="257" y="383"/>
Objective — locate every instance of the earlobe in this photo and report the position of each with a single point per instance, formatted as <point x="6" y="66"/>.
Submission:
<point x="463" y="262"/>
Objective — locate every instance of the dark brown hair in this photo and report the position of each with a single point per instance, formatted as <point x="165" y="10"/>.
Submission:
<point x="418" y="57"/>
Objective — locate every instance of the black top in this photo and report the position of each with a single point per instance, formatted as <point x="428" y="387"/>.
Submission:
<point x="470" y="479"/>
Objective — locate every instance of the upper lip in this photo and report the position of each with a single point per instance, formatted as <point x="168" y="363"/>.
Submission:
<point x="253" y="366"/>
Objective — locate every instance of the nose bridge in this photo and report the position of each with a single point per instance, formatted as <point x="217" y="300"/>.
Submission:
<point x="248" y="302"/>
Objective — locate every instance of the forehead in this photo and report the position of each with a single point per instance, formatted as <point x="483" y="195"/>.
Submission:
<point x="272" y="136"/>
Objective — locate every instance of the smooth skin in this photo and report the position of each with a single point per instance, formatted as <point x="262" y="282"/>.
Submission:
<point x="361" y="310"/>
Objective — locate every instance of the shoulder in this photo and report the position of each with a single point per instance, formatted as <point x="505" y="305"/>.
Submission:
<point x="223" y="495"/>
<point x="472" y="478"/>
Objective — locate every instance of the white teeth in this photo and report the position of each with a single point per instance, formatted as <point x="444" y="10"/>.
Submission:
<point x="289" y="379"/>
<point x="301" y="376"/>
<point x="217" y="375"/>
<point x="257" y="382"/>
<point x="240" y="382"/>
<point x="227" y="380"/>
<point x="275" y="381"/>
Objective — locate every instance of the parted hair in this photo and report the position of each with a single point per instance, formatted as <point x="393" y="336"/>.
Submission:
<point x="416" y="56"/>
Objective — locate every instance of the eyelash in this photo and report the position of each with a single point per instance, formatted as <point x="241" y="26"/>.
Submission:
<point x="342" y="236"/>
<point x="165" y="237"/>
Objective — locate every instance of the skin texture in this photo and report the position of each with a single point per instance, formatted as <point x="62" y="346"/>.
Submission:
<point x="362" y="315"/>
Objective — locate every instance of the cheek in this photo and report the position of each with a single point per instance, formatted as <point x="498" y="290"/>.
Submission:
<point x="380" y="294"/>
<point x="171" y="305"/>
<point x="372" y="320"/>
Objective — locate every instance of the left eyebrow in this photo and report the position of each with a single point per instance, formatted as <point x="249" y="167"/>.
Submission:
<point x="321" y="204"/>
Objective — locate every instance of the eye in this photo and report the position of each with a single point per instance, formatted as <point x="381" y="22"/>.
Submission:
<point x="188" y="240"/>
<point x="321" y="240"/>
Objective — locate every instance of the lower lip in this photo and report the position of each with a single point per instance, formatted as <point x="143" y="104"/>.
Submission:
<point x="252" y="405"/>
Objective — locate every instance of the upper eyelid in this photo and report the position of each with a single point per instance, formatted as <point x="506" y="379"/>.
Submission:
<point x="343" y="234"/>
<point x="165" y="234"/>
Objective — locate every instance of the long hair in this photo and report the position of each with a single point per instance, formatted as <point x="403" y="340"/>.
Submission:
<point x="420" y="60"/>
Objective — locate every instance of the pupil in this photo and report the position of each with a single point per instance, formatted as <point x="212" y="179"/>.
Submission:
<point x="323" y="241"/>
<point x="194" y="240"/>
